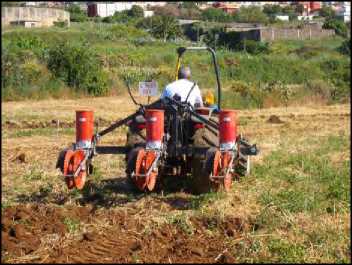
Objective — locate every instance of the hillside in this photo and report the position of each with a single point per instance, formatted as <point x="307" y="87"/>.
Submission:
<point x="103" y="56"/>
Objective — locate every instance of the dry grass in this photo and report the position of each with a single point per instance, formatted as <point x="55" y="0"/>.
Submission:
<point x="302" y="131"/>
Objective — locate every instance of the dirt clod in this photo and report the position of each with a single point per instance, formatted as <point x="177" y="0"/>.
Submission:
<point x="135" y="246"/>
<point x="89" y="236"/>
<point x="198" y="251"/>
<point x="274" y="119"/>
<point x="21" y="158"/>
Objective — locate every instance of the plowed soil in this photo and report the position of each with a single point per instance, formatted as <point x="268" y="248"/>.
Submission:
<point x="27" y="228"/>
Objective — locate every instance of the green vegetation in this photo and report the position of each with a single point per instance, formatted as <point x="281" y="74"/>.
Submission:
<point x="162" y="27"/>
<point x="76" y="14"/>
<point x="327" y="11"/>
<point x="345" y="47"/>
<point x="250" y="14"/>
<point x="94" y="58"/>
<point x="310" y="181"/>
<point x="79" y="67"/>
<point x="182" y="221"/>
<point x="299" y="192"/>
<point x="336" y="24"/>
<point x="72" y="224"/>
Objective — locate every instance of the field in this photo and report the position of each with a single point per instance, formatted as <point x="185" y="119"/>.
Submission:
<point x="293" y="207"/>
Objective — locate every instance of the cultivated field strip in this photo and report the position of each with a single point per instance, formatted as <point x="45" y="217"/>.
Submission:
<point x="267" y="217"/>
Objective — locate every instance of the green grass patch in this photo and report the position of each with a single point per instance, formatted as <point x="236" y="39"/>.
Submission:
<point x="34" y="174"/>
<point x="72" y="225"/>
<point x="181" y="221"/>
<point x="205" y="199"/>
<point x="306" y="181"/>
<point x="301" y="195"/>
<point x="286" y="252"/>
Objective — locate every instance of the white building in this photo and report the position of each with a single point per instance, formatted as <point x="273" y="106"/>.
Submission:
<point x="346" y="11"/>
<point x="105" y="9"/>
<point x="282" y="17"/>
<point x="259" y="3"/>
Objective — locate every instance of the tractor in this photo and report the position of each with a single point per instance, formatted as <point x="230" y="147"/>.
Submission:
<point x="167" y="139"/>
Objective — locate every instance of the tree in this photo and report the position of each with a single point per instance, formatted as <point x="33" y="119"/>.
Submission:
<point x="251" y="15"/>
<point x="299" y="9"/>
<point x="167" y="10"/>
<point x="214" y="14"/>
<point x="272" y="10"/>
<point x="163" y="27"/>
<point x="136" y="12"/>
<point x="76" y="14"/>
<point x="290" y="11"/>
<point x="190" y="13"/>
<point x="327" y="11"/>
<point x="189" y="4"/>
<point x="338" y="25"/>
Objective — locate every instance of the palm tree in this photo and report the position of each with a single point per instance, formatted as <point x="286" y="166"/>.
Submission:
<point x="165" y="27"/>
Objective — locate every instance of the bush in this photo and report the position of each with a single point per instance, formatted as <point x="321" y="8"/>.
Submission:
<point x="338" y="73"/>
<point x="214" y="14"/>
<point x="215" y="36"/>
<point x="136" y="12"/>
<point x="254" y="47"/>
<point x="60" y="24"/>
<point x="345" y="48"/>
<point x="76" y="14"/>
<point x="80" y="68"/>
<point x="163" y="27"/>
<point x="327" y="11"/>
<point x="251" y="15"/>
<point x="338" y="25"/>
<point x="21" y="42"/>
<point x="272" y="10"/>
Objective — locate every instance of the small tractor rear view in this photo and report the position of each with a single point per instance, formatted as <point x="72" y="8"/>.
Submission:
<point x="166" y="139"/>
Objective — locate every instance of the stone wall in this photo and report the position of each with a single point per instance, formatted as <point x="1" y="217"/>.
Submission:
<point x="44" y="16"/>
<point x="272" y="34"/>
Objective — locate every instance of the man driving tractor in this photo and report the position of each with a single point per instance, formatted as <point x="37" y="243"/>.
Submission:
<point x="184" y="89"/>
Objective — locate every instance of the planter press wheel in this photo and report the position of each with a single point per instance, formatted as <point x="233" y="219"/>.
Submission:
<point x="144" y="161"/>
<point x="71" y="163"/>
<point x="220" y="163"/>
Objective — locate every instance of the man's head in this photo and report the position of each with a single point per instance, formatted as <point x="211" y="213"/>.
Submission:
<point x="184" y="73"/>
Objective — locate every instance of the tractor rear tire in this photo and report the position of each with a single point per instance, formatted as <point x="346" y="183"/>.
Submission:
<point x="130" y="167"/>
<point x="134" y="139"/>
<point x="134" y="142"/>
<point x="202" y="163"/>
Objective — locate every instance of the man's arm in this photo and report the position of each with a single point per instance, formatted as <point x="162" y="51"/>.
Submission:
<point x="198" y="96"/>
<point x="166" y="93"/>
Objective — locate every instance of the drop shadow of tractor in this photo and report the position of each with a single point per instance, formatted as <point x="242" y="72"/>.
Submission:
<point x="113" y="192"/>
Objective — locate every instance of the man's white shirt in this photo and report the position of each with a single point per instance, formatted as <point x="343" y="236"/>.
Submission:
<point x="182" y="88"/>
